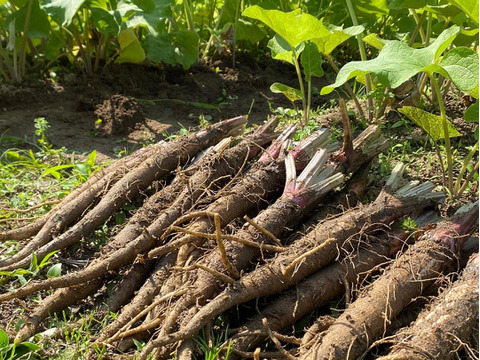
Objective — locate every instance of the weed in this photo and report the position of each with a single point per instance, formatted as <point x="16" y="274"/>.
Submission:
<point x="211" y="346"/>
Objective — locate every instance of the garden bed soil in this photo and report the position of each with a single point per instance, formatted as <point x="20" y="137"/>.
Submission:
<point x="138" y="104"/>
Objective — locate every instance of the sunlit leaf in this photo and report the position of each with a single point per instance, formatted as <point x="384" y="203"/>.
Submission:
<point x="375" y="41"/>
<point x="293" y="26"/>
<point x="55" y="270"/>
<point x="469" y="7"/>
<point x="54" y="171"/>
<point x="396" y="62"/>
<point x="131" y="50"/>
<point x="461" y="64"/>
<point x="290" y="93"/>
<point x="327" y="43"/>
<point x="432" y="124"/>
<point x="62" y="11"/>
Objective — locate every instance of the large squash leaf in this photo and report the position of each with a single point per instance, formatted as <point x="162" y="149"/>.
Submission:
<point x="293" y="26"/>
<point x="469" y="7"/>
<point x="396" y="62"/>
<point x="62" y="11"/>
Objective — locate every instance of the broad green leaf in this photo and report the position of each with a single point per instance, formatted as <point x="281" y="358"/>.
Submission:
<point x="249" y="31"/>
<point x="396" y="62"/>
<point x="311" y="60"/>
<point x="432" y="124"/>
<point x="151" y="18"/>
<point x="406" y="4"/>
<point x="131" y="50"/>
<point x="327" y="43"/>
<point x="106" y="21"/>
<point x="469" y="7"/>
<point x="370" y="9"/>
<point x="62" y="11"/>
<point x="174" y="48"/>
<point x="3" y="339"/>
<point x="55" y="270"/>
<point x="281" y="50"/>
<point x="461" y="64"/>
<point x="471" y="114"/>
<point x="39" y="25"/>
<point x="375" y="41"/>
<point x="291" y="94"/>
<point x="293" y="26"/>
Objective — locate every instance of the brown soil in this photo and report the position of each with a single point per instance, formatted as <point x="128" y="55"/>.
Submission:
<point x="139" y="104"/>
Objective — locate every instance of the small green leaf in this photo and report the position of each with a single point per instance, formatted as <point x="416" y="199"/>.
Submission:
<point x="54" y="171"/>
<point x="22" y="280"/>
<point x="55" y="271"/>
<point x="45" y="261"/>
<point x="292" y="94"/>
<point x="281" y="50"/>
<point x="311" y="60"/>
<point x="471" y="114"/>
<point x="120" y="218"/>
<point x="92" y="157"/>
<point x="33" y="263"/>
<point x="432" y="124"/>
<point x="3" y="339"/>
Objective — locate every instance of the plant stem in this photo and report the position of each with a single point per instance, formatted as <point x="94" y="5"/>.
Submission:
<point x="306" y="115"/>
<point x="419" y="22"/>
<point x="464" y="168"/>
<point x="468" y="179"/>
<point x="187" y="6"/>
<point x="347" y="87"/>
<point x="235" y="29"/>
<point x="23" y="47"/>
<point x="363" y="55"/>
<point x="418" y="27"/>
<point x="309" y="97"/>
<point x="448" y="148"/>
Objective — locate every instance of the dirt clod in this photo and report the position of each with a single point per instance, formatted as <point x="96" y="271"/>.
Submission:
<point x="119" y="115"/>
